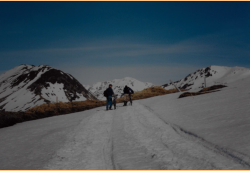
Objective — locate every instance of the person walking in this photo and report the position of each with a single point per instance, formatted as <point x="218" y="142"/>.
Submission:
<point x="127" y="95"/>
<point x="109" y="93"/>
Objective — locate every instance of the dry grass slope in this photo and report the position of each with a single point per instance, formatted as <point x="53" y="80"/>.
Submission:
<point x="153" y="91"/>
<point x="64" y="108"/>
<point x="53" y="109"/>
<point x="150" y="92"/>
<point x="203" y="91"/>
<point x="46" y="110"/>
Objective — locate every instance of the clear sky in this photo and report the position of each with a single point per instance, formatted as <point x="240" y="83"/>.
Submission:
<point x="150" y="41"/>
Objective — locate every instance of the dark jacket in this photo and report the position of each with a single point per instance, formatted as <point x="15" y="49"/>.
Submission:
<point x="110" y="91"/>
<point x="128" y="90"/>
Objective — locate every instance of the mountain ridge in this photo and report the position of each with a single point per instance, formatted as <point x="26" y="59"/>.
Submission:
<point x="26" y="86"/>
<point x="213" y="75"/>
<point x="98" y="88"/>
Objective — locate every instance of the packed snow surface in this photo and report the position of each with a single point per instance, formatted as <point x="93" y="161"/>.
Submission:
<point x="209" y="131"/>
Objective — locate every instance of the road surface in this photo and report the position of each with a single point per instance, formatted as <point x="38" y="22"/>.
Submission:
<point x="135" y="137"/>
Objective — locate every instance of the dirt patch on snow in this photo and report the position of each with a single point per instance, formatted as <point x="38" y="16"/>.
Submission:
<point x="203" y="91"/>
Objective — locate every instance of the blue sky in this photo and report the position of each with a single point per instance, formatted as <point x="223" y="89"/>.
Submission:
<point x="150" y="41"/>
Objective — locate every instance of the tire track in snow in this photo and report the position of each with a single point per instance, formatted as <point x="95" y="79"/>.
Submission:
<point x="144" y="141"/>
<point x="134" y="137"/>
<point x="237" y="157"/>
<point x="128" y="152"/>
<point x="89" y="147"/>
<point x="112" y="146"/>
<point x="229" y="153"/>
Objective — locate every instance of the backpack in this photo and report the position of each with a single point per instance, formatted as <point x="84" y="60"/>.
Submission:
<point x="126" y="90"/>
<point x="105" y="93"/>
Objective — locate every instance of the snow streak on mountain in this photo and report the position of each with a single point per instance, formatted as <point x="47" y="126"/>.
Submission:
<point x="118" y="85"/>
<point x="26" y="86"/>
<point x="213" y="74"/>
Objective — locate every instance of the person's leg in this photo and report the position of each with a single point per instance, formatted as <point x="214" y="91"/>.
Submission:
<point x="107" y="105"/>
<point x="130" y="99"/>
<point x="125" y="99"/>
<point x="110" y="100"/>
<point x="114" y="104"/>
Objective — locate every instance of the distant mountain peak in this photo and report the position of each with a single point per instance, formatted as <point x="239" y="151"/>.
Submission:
<point x="26" y="86"/>
<point x="128" y="78"/>
<point x="118" y="86"/>
<point x="214" y="75"/>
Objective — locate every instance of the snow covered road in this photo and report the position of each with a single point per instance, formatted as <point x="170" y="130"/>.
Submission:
<point x="134" y="137"/>
<point x="203" y="132"/>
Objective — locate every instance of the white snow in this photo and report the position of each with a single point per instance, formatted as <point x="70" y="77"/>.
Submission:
<point x="221" y="118"/>
<point x="20" y="98"/>
<point x="81" y="97"/>
<point x="17" y="102"/>
<point x="7" y="77"/>
<point x="86" y="86"/>
<point x="207" y="132"/>
<point x="54" y="91"/>
<point x="220" y="75"/>
<point x="70" y="76"/>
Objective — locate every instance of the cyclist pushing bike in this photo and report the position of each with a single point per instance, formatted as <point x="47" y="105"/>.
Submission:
<point x="127" y="95"/>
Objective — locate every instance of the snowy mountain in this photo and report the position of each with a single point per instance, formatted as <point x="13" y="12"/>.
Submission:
<point x="206" y="132"/>
<point x="98" y="88"/>
<point x="26" y="86"/>
<point x="214" y="75"/>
